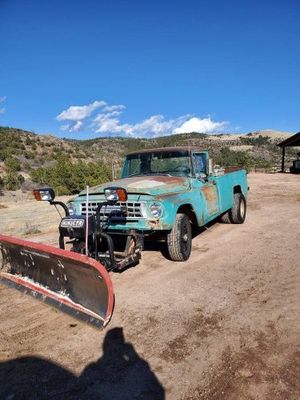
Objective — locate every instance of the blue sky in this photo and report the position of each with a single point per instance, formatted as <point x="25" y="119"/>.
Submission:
<point x="145" y="68"/>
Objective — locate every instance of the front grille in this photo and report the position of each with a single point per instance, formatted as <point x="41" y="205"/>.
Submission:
<point x="133" y="209"/>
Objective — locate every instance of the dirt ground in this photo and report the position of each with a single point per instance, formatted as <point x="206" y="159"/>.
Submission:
<point x="224" y="325"/>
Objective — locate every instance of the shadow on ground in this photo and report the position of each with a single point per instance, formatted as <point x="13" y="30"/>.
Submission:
<point x="161" y="246"/>
<point x="119" y="374"/>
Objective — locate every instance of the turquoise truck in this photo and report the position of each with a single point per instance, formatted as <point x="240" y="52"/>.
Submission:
<point x="162" y="195"/>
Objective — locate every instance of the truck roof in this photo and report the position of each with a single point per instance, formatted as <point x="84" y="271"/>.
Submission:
<point x="163" y="149"/>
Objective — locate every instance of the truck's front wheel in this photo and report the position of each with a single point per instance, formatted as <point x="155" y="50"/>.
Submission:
<point x="179" y="240"/>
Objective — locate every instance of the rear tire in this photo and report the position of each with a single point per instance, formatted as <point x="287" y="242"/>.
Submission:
<point x="238" y="211"/>
<point x="225" y="218"/>
<point x="179" y="240"/>
<point x="237" y="214"/>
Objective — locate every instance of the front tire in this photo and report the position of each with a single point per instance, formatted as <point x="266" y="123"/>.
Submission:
<point x="179" y="240"/>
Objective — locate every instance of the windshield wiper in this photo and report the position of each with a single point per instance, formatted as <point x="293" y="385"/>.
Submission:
<point x="157" y="173"/>
<point x="136" y="174"/>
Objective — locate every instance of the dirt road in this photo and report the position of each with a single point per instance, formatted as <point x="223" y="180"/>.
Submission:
<point x="224" y="325"/>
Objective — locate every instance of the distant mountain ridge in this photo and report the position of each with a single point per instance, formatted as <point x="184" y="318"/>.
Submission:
<point x="26" y="154"/>
<point x="271" y="133"/>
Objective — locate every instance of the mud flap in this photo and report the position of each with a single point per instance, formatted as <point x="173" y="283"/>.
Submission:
<point x="71" y="282"/>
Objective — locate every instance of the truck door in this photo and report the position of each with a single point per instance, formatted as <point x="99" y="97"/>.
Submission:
<point x="210" y="193"/>
<point x="209" y="190"/>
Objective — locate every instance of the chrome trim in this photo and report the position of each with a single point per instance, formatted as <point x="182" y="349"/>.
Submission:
<point x="135" y="209"/>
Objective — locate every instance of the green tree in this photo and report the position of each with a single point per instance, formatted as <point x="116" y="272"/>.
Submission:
<point x="227" y="158"/>
<point x="66" y="177"/>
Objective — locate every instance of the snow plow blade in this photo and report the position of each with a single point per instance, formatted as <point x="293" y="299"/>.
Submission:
<point x="73" y="283"/>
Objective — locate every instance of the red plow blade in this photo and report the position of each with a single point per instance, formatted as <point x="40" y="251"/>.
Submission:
<point x="73" y="283"/>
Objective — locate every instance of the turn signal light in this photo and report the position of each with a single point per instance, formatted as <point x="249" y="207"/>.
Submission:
<point x="114" y="194"/>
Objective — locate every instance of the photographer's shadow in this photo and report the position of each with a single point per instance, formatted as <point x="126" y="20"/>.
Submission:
<point x="119" y="374"/>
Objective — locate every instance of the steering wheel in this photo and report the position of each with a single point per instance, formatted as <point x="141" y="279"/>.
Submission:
<point x="182" y="168"/>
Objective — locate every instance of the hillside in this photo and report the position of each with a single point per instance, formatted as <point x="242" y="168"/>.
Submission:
<point x="26" y="157"/>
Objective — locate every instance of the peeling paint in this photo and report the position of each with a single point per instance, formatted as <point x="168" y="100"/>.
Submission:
<point x="211" y="198"/>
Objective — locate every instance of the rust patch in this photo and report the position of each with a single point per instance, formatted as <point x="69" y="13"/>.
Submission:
<point x="232" y="169"/>
<point x="153" y="223"/>
<point x="158" y="224"/>
<point x="176" y="180"/>
<point x="210" y="193"/>
<point x="168" y="149"/>
<point x="211" y="197"/>
<point x="172" y="194"/>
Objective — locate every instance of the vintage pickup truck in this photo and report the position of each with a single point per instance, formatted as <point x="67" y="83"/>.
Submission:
<point x="169" y="191"/>
<point x="162" y="194"/>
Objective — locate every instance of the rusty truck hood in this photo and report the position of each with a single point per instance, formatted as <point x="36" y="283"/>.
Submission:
<point x="152" y="184"/>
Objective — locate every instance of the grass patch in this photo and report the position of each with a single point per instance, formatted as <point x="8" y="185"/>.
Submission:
<point x="30" y="229"/>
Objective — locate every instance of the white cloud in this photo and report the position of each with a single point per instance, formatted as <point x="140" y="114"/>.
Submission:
<point x="2" y="109"/>
<point x="76" y="127"/>
<point x="78" y="113"/>
<point x="117" y="107"/>
<point x="202" y="125"/>
<point x="156" y="125"/>
<point x="108" y="122"/>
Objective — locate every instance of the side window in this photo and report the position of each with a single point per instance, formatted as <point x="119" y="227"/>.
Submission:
<point x="200" y="163"/>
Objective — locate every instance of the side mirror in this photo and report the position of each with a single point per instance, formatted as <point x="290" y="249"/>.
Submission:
<point x="201" y="176"/>
<point x="44" y="194"/>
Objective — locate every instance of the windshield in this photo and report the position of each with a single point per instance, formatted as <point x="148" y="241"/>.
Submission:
<point x="164" y="162"/>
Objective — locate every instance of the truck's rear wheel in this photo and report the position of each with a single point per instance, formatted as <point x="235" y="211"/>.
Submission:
<point x="238" y="211"/>
<point x="237" y="214"/>
<point x="225" y="218"/>
<point x="179" y="240"/>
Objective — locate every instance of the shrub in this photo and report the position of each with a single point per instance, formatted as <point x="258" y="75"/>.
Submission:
<point x="5" y="153"/>
<point x="66" y="177"/>
<point x="12" y="165"/>
<point x="227" y="158"/>
<point x="30" y="229"/>
<point x="13" y="181"/>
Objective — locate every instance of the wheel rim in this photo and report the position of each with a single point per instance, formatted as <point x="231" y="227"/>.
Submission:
<point x="242" y="209"/>
<point x="185" y="240"/>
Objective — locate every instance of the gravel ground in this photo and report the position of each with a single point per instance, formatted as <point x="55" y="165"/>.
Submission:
<point x="224" y="325"/>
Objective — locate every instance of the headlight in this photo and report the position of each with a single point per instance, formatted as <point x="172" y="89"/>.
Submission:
<point x="71" y="208"/>
<point x="156" y="210"/>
